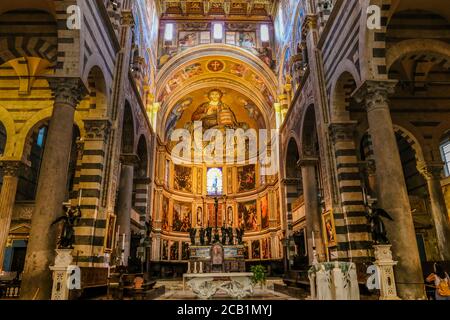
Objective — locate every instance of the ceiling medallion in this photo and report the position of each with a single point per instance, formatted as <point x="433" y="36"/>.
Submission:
<point x="216" y="66"/>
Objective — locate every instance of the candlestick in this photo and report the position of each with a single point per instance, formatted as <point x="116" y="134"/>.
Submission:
<point x="79" y="197"/>
<point x="313" y="240"/>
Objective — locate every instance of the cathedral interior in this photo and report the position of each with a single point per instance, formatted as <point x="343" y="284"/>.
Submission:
<point x="135" y="132"/>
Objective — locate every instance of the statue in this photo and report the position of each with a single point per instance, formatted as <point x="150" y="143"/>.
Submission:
<point x="224" y="235"/>
<point x="230" y="236"/>
<point x="240" y="235"/>
<point x="209" y="234"/>
<point x="202" y="236"/>
<point x="377" y="227"/>
<point x="70" y="219"/>
<point x="192" y="233"/>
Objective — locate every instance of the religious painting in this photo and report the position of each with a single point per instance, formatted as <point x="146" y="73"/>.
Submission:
<point x="277" y="195"/>
<point x="187" y="39"/>
<point x="247" y="215"/>
<point x="247" y="40"/>
<point x="165" y="214"/>
<point x="183" y="178"/>
<point x="165" y="250"/>
<point x="256" y="249"/>
<point x="329" y="229"/>
<point x="174" y="250"/>
<point x="167" y="173"/>
<point x="265" y="248"/>
<point x="199" y="216"/>
<point x="246" y="178"/>
<point x="212" y="215"/>
<point x="110" y="235"/>
<point x="264" y="213"/>
<point x="184" y="251"/>
<point x="181" y="216"/>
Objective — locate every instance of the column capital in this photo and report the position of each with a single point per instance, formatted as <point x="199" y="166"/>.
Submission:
<point x="375" y="94"/>
<point x="97" y="129"/>
<point x="11" y="168"/>
<point x="309" y="23"/>
<point x="129" y="159"/>
<point x="127" y="18"/>
<point x="431" y="170"/>
<point x="307" y="162"/>
<point x="67" y="91"/>
<point x="343" y="130"/>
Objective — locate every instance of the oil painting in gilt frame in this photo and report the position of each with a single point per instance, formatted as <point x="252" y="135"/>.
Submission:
<point x="246" y="178"/>
<point x="183" y="178"/>
<point x="247" y="215"/>
<point x="329" y="229"/>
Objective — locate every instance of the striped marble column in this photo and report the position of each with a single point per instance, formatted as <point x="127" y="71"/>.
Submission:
<point x="351" y="224"/>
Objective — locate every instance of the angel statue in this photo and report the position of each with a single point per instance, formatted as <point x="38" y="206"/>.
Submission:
<point x="70" y="219"/>
<point x="192" y="233"/>
<point x="379" y="234"/>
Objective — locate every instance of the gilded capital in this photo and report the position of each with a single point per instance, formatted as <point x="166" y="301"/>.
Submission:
<point x="67" y="91"/>
<point x="127" y="18"/>
<point x="375" y="94"/>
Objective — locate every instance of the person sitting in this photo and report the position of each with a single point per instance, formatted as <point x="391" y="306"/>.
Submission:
<point x="441" y="281"/>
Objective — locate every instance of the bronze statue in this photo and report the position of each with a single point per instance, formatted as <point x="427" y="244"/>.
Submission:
<point x="70" y="219"/>
<point x="379" y="234"/>
<point x="230" y="235"/>
<point x="202" y="236"/>
<point x="192" y="233"/>
<point x="240" y="235"/>
<point x="209" y="234"/>
<point x="224" y="235"/>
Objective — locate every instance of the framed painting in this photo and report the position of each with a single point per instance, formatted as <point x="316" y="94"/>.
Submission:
<point x="110" y="235"/>
<point x="165" y="214"/>
<point x="183" y="179"/>
<point x="188" y="39"/>
<point x="256" y="249"/>
<point x="329" y="229"/>
<point x="181" y="216"/>
<point x="246" y="178"/>
<point x="264" y="213"/>
<point x="248" y="216"/>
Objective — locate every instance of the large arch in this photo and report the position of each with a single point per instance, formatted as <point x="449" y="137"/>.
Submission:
<point x="8" y="123"/>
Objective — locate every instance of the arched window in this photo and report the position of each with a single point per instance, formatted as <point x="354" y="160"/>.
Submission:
<point x="445" y="152"/>
<point x="214" y="181"/>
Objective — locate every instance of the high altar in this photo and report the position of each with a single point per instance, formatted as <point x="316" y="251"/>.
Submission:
<point x="216" y="258"/>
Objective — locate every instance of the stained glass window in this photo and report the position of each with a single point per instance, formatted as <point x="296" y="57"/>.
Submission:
<point x="214" y="181"/>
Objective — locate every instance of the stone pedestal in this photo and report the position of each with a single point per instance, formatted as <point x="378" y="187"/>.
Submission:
<point x="385" y="266"/>
<point x="61" y="269"/>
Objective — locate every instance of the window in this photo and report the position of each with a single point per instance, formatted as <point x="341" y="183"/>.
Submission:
<point x="218" y="31"/>
<point x="214" y="181"/>
<point x="445" y="151"/>
<point x="265" y="33"/>
<point x="40" y="137"/>
<point x="168" y="33"/>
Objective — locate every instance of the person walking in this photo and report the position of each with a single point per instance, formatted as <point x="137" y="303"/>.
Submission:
<point x="441" y="281"/>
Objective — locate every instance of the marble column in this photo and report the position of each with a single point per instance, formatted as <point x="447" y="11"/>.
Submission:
<point x="392" y="192"/>
<point x="51" y="190"/>
<point x="10" y="171"/>
<point x="125" y="202"/>
<point x="432" y="173"/>
<point x="313" y="215"/>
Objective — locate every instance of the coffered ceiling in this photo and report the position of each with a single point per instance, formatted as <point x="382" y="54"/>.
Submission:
<point x="217" y="8"/>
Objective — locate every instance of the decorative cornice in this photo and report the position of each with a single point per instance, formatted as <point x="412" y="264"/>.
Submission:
<point x="309" y="23"/>
<point x="67" y="91"/>
<point x="375" y="94"/>
<point x="342" y="131"/>
<point x="127" y="18"/>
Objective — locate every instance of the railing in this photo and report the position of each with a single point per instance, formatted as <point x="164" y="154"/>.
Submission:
<point x="10" y="290"/>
